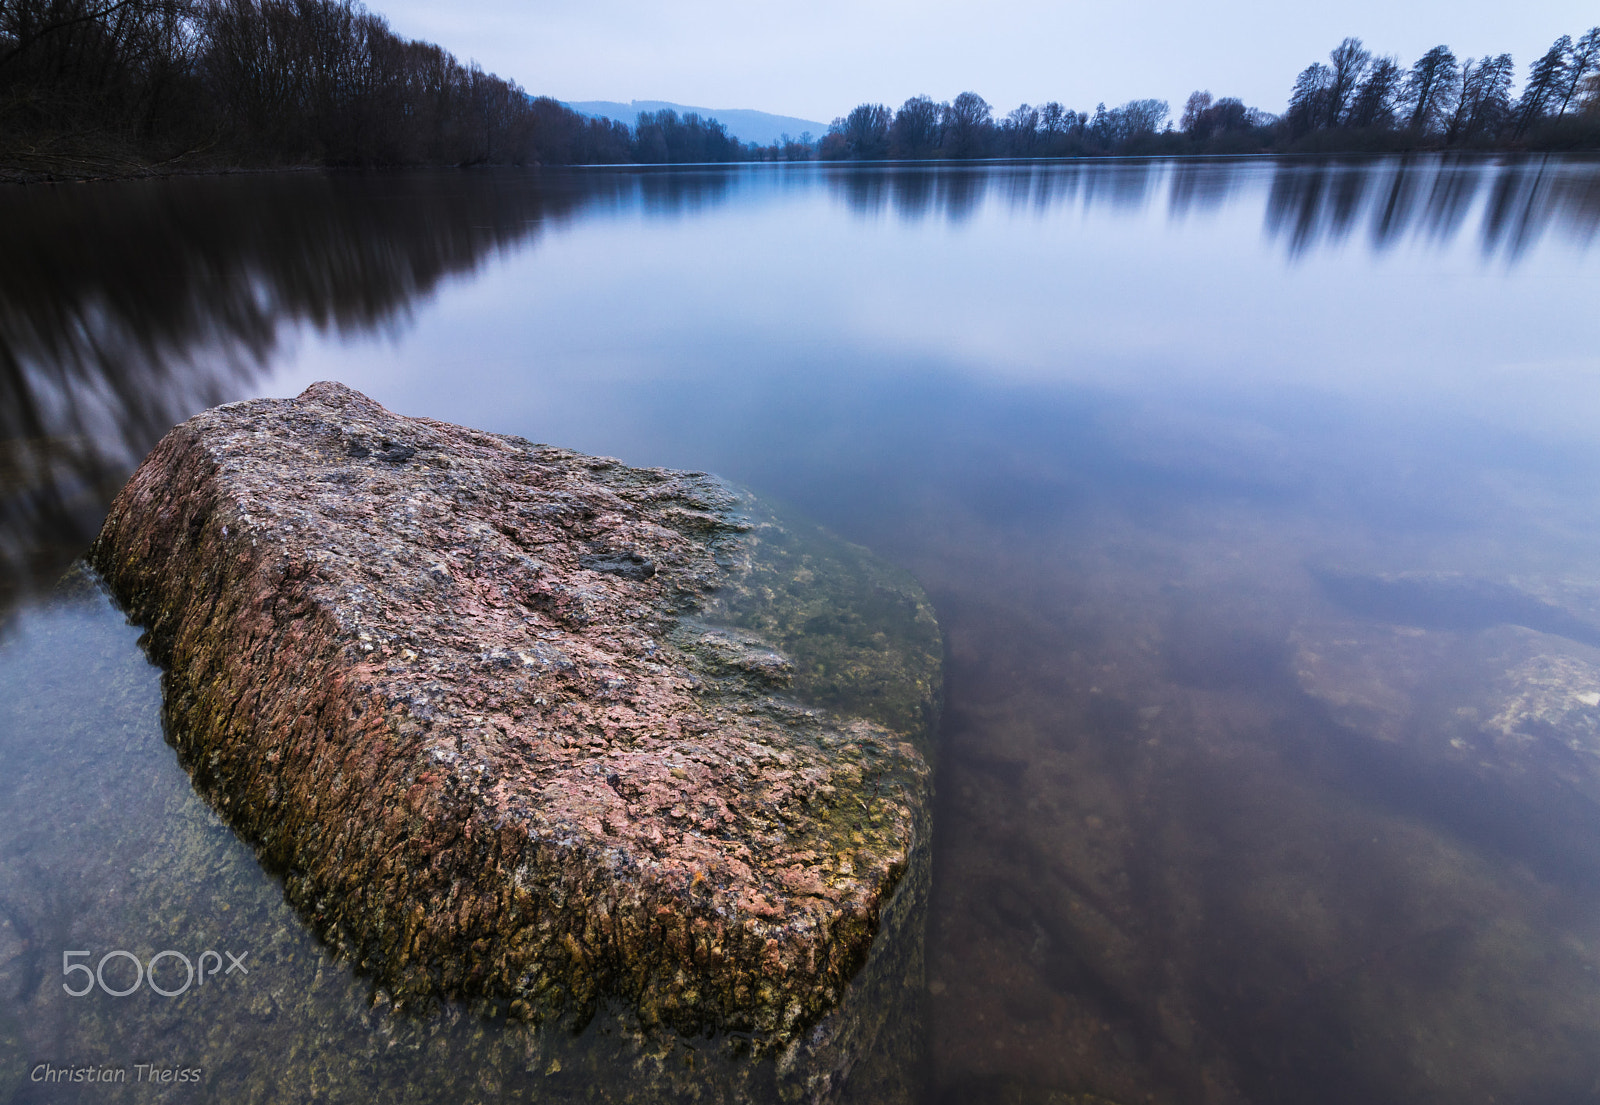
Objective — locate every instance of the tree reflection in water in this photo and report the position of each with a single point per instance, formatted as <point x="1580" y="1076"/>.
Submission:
<point x="126" y="309"/>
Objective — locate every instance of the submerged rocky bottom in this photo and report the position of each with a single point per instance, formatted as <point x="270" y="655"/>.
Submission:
<point x="105" y="847"/>
<point x="1213" y="831"/>
<point x="1240" y="849"/>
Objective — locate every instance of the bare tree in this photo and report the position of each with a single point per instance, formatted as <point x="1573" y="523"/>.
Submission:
<point x="1484" y="102"/>
<point x="967" y="122"/>
<point x="1204" y="118"/>
<point x="1349" y="61"/>
<point x="1545" y="79"/>
<point x="1583" y="63"/>
<point x="1060" y="130"/>
<point x="1375" y="100"/>
<point x="1021" y="130"/>
<point x="1139" y="118"/>
<point x="866" y="130"/>
<point x="1194" y="110"/>
<point x="1310" y="100"/>
<point x="1122" y="126"/>
<point x="915" y="132"/>
<point x="1054" y="119"/>
<point x="1429" y="88"/>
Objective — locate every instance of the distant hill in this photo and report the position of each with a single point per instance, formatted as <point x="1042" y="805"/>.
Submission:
<point x="744" y="124"/>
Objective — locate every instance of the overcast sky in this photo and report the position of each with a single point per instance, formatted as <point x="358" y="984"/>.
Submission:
<point x="818" y="58"/>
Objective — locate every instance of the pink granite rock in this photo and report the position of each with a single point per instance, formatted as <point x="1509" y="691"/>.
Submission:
<point x="528" y="726"/>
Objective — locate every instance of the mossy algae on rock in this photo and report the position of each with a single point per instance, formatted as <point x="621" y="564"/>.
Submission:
<point x="542" y="730"/>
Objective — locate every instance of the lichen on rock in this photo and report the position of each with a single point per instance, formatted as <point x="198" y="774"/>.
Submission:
<point x="540" y="729"/>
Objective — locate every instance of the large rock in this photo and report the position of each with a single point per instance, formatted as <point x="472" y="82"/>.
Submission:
<point x="537" y="728"/>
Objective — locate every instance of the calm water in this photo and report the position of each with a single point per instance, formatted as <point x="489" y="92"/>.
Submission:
<point x="1260" y="502"/>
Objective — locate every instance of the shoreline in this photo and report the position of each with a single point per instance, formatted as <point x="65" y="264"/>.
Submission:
<point x="10" y="174"/>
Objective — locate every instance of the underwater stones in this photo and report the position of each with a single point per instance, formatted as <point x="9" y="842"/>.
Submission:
<point x="523" y="725"/>
<point x="1444" y="669"/>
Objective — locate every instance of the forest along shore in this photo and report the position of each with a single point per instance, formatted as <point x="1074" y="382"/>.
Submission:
<point x="90" y="90"/>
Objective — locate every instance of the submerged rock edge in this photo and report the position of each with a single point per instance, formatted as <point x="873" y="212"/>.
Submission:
<point x="398" y="866"/>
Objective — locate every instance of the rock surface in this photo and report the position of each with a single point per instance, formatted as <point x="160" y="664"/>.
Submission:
<point x="522" y="725"/>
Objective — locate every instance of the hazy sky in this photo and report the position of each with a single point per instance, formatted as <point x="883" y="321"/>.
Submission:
<point x="818" y="58"/>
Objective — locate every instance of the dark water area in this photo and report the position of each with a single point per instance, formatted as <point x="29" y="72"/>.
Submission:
<point x="1258" y="501"/>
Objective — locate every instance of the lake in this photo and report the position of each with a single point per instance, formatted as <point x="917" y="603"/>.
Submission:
<point x="1259" y="501"/>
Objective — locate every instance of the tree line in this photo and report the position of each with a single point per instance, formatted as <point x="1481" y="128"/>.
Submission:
<point x="665" y="137"/>
<point x="263" y="82"/>
<point x="88" y="84"/>
<point x="966" y="128"/>
<point x="1355" y="100"/>
<point x="1439" y="100"/>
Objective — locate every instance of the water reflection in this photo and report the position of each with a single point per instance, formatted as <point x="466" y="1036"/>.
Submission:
<point x="125" y="310"/>
<point x="1197" y="187"/>
<point x="956" y="193"/>
<point x="662" y="191"/>
<point x="1311" y="204"/>
<point x="1531" y="198"/>
<point x="1314" y="204"/>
